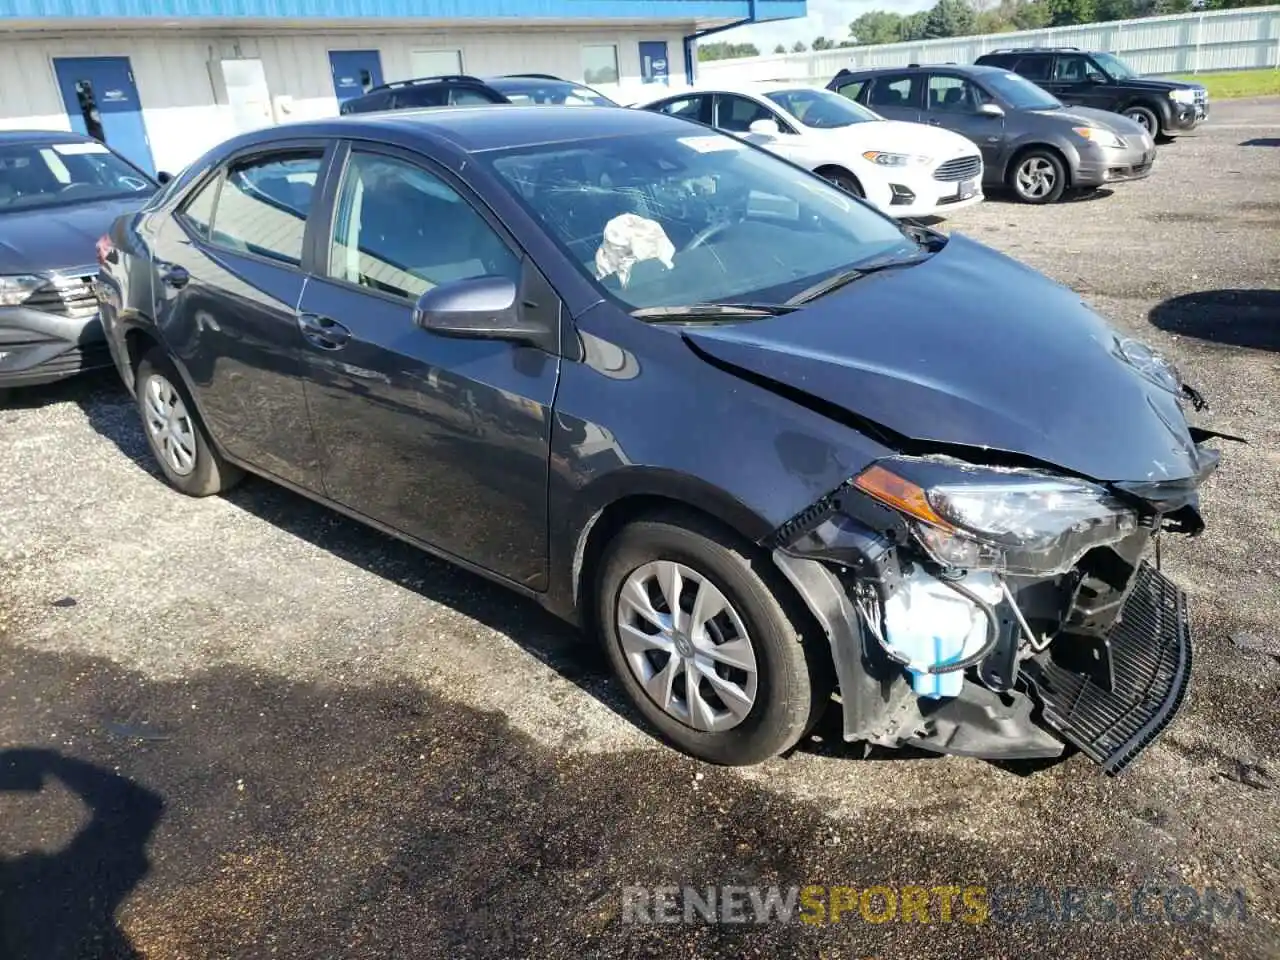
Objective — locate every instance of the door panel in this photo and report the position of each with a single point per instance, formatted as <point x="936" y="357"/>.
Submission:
<point x="227" y="286"/>
<point x="355" y="72"/>
<point x="102" y="102"/>
<point x="444" y="439"/>
<point x="952" y="103"/>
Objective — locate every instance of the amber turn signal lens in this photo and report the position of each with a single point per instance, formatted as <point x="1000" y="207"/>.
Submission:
<point x="893" y="490"/>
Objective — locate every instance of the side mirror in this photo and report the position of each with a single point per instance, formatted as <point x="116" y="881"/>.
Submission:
<point x="163" y="177"/>
<point x="991" y="110"/>
<point x="1096" y="78"/>
<point x="481" y="308"/>
<point x="765" y="125"/>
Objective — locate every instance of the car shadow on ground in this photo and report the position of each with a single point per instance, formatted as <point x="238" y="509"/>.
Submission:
<point x="62" y="903"/>
<point x="1261" y="142"/>
<point x="1007" y="196"/>
<point x="1240" y="318"/>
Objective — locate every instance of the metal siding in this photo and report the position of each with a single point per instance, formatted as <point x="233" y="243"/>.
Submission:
<point x="434" y="9"/>
<point x="1187" y="43"/>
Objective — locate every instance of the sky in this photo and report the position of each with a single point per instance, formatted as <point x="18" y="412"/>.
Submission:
<point x="827" y="18"/>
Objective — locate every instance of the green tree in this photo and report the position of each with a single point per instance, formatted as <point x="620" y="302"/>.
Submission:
<point x="913" y="26"/>
<point x="779" y="49"/>
<point x="949" y="18"/>
<point x="822" y="43"/>
<point x="1028" y="14"/>
<point x="1115" y="10"/>
<point x="799" y="47"/>
<point x="877" y="26"/>
<point x="1067" y="12"/>
<point x="722" y="50"/>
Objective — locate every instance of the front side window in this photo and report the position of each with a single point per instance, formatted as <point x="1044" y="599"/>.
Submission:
<point x="952" y="95"/>
<point x="893" y="92"/>
<point x="38" y="175"/>
<point x="1020" y="93"/>
<point x="822" y="109"/>
<point x="263" y="204"/>
<point x="600" y="63"/>
<point x="401" y="230"/>
<point x="687" y="216"/>
<point x="737" y="114"/>
<point x="1075" y="69"/>
<point x="1116" y="67"/>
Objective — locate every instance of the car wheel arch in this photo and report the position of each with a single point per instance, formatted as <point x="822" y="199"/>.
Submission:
<point x="829" y="170"/>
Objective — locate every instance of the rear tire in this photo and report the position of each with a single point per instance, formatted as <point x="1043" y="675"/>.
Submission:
<point x="848" y="183"/>
<point x="175" y="433"/>
<point x="740" y="713"/>
<point x="1037" y="176"/>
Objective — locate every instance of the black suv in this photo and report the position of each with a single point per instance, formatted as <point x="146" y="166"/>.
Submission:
<point x="462" y="90"/>
<point x="1102" y="80"/>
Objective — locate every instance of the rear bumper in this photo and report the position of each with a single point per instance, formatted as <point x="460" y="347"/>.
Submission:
<point x="38" y="347"/>
<point x="1145" y="661"/>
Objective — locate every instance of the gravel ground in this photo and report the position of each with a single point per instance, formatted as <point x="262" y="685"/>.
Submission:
<point x="262" y="729"/>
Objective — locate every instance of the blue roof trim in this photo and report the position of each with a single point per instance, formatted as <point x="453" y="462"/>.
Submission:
<point x="403" y="9"/>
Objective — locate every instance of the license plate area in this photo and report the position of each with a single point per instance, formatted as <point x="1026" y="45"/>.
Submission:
<point x="967" y="189"/>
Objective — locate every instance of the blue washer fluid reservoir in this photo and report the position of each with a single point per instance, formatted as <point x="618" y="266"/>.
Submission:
<point x="927" y="624"/>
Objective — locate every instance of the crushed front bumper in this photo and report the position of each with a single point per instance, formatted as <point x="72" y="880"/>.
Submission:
<point x="38" y="347"/>
<point x="1111" y="698"/>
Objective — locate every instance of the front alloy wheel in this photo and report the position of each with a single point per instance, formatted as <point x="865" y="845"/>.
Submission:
<point x="708" y="639"/>
<point x="1039" y="177"/>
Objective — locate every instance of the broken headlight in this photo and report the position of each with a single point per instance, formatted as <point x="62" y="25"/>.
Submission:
<point x="1012" y="521"/>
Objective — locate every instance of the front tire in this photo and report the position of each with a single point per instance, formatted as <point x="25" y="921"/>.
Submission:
<point x="174" y="432"/>
<point x="1038" y="177"/>
<point x="733" y="676"/>
<point x="1146" y="118"/>
<point x="847" y="183"/>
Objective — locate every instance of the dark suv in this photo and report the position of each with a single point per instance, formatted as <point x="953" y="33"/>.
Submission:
<point x="462" y="90"/>
<point x="1102" y="80"/>
<point x="1031" y="143"/>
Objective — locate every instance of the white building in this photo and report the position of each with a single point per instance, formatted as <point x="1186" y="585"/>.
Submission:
<point x="170" y="78"/>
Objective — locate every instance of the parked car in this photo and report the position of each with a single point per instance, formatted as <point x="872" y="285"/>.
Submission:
<point x="1102" y="80"/>
<point x="762" y="449"/>
<point x="904" y="169"/>
<point x="462" y="90"/>
<point x="1030" y="142"/>
<point x="58" y="193"/>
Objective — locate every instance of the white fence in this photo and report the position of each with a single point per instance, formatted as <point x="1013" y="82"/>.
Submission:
<point x="1186" y="43"/>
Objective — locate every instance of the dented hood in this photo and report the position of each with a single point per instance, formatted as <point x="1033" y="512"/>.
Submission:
<point x="974" y="349"/>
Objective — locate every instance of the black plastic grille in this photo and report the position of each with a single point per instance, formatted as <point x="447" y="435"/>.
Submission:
<point x="71" y="297"/>
<point x="961" y="168"/>
<point x="1151" y="657"/>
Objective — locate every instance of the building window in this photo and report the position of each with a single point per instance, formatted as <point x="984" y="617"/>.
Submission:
<point x="600" y="63"/>
<point x="436" y="63"/>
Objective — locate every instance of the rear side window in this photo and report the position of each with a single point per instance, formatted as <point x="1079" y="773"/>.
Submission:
<point x="690" y="108"/>
<point x="263" y="204"/>
<point x="1033" y="68"/>
<point x="435" y="96"/>
<point x="369" y="103"/>
<point x="893" y="92"/>
<point x="466" y="96"/>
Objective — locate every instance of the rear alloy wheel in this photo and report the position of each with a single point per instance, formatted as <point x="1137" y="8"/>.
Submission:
<point x="699" y="636"/>
<point x="1144" y="118"/>
<point x="174" y="432"/>
<point x="1038" y="177"/>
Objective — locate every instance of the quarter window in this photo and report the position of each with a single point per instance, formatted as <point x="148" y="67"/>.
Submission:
<point x="198" y="211"/>
<point x="263" y="204"/>
<point x="851" y="90"/>
<point x="401" y="230"/>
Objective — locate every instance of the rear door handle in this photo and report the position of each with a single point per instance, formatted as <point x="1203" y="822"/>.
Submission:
<point x="323" y="332"/>
<point x="173" y="275"/>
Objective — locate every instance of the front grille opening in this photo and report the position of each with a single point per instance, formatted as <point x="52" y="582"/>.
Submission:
<point x="961" y="168"/>
<point x="71" y="296"/>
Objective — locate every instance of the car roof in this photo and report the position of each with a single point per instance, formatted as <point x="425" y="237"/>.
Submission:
<point x="753" y="88"/>
<point x="475" y="129"/>
<point x="970" y="69"/>
<point x="42" y="136"/>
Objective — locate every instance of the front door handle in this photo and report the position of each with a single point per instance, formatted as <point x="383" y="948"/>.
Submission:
<point x="323" y="332"/>
<point x="174" y="275"/>
<point x="934" y="123"/>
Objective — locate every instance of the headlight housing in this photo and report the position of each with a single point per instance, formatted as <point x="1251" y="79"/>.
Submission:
<point x="896" y="159"/>
<point x="1182" y="96"/>
<point x="16" y="289"/>
<point x="1103" y="138"/>
<point x="1023" y="522"/>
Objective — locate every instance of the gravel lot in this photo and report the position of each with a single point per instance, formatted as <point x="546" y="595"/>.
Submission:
<point x="263" y="729"/>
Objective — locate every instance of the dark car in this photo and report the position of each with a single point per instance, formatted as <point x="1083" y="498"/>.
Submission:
<point x="462" y="90"/>
<point x="59" y="192"/>
<point x="1030" y="142"/>
<point x="1104" y="81"/>
<point x="763" y="449"/>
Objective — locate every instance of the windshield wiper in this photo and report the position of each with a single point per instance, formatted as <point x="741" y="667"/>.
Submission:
<point x="843" y="277"/>
<point x="713" y="311"/>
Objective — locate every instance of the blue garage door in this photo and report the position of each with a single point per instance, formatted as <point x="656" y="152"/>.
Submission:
<point x="354" y="72"/>
<point x="102" y="102"/>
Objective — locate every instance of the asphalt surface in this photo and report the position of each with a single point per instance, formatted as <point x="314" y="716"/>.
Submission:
<point x="247" y="727"/>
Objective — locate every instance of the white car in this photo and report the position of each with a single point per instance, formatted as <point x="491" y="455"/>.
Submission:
<point x="904" y="169"/>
